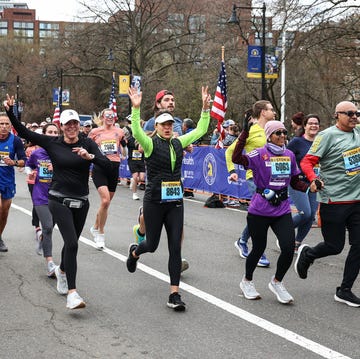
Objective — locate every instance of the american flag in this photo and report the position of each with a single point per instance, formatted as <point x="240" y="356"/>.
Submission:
<point x="56" y="117"/>
<point x="219" y="106"/>
<point x="112" y="100"/>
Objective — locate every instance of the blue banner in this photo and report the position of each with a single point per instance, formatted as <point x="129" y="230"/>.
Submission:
<point x="205" y="170"/>
<point x="254" y="63"/>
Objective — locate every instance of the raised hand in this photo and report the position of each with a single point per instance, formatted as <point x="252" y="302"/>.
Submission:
<point x="135" y="97"/>
<point x="206" y="98"/>
<point x="10" y="100"/>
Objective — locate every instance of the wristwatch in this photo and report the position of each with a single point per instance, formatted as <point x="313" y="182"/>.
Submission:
<point x="16" y="163"/>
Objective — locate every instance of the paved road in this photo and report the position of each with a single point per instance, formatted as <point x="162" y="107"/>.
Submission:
<point x="126" y="314"/>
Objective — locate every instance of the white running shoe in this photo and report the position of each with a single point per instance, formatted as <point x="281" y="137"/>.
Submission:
<point x="249" y="290"/>
<point x="74" y="301"/>
<point x="51" y="266"/>
<point x="100" y="240"/>
<point x="38" y="239"/>
<point x="282" y="295"/>
<point x="61" y="285"/>
<point x="93" y="231"/>
<point x="135" y="197"/>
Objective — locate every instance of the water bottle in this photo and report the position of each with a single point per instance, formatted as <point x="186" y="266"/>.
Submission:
<point x="268" y="193"/>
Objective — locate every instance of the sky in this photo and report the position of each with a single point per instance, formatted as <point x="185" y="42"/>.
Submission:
<point x="63" y="10"/>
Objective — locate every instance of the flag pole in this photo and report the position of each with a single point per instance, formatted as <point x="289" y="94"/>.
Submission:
<point x="222" y="53"/>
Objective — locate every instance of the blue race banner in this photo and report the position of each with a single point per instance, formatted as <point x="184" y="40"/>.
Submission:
<point x="205" y="170"/>
<point x="254" y="63"/>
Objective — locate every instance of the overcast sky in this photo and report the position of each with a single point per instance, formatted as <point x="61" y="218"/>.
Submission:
<point x="62" y="10"/>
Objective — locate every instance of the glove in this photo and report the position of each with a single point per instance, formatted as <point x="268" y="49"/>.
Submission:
<point x="246" y="125"/>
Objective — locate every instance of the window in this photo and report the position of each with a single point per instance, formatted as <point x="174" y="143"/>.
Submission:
<point x="3" y="28"/>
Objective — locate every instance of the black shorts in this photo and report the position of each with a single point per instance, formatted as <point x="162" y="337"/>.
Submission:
<point x="136" y="166"/>
<point x="102" y="178"/>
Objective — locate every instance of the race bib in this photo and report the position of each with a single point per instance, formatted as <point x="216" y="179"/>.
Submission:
<point x="280" y="167"/>
<point x="109" y="147"/>
<point x="352" y="161"/>
<point x="136" y="155"/>
<point x="171" y="191"/>
<point x="3" y="154"/>
<point x="45" y="175"/>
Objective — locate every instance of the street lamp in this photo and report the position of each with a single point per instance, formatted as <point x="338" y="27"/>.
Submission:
<point x="235" y="20"/>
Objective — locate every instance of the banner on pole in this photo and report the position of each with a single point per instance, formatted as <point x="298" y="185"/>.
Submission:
<point x="65" y="97"/>
<point x="254" y="63"/>
<point x="124" y="84"/>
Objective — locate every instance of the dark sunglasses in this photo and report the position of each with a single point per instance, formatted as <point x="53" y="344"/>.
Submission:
<point x="350" y="113"/>
<point x="280" y="132"/>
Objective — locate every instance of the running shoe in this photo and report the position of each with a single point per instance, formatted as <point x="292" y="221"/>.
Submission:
<point x="175" y="302"/>
<point x="249" y="290"/>
<point x="93" y="231"/>
<point x="3" y="247"/>
<point x="302" y="263"/>
<point x="282" y="295"/>
<point x="140" y="213"/>
<point x="100" y="240"/>
<point x="38" y="240"/>
<point x="242" y="247"/>
<point x="138" y="237"/>
<point x="263" y="261"/>
<point x="51" y="266"/>
<point x="74" y="301"/>
<point x="132" y="261"/>
<point x="297" y="245"/>
<point x="184" y="265"/>
<point x="61" y="285"/>
<point x="347" y="296"/>
<point x="135" y="197"/>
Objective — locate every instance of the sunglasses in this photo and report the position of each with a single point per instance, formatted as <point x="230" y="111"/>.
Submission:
<point x="280" y="132"/>
<point x="350" y="113"/>
<point x="108" y="115"/>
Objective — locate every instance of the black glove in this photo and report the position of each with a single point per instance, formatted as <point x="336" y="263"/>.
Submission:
<point x="246" y="125"/>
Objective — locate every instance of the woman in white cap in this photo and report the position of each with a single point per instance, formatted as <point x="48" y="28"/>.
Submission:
<point x="274" y="169"/>
<point x="163" y="199"/>
<point x="68" y="194"/>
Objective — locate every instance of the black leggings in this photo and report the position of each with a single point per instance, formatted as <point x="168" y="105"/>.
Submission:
<point x="34" y="218"/>
<point x="335" y="219"/>
<point x="283" y="228"/>
<point x="71" y="223"/>
<point x="172" y="216"/>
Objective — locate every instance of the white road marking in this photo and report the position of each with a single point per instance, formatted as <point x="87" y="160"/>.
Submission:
<point x="286" y="334"/>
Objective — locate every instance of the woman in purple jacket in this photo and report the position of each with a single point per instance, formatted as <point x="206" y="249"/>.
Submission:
<point x="40" y="163"/>
<point x="274" y="169"/>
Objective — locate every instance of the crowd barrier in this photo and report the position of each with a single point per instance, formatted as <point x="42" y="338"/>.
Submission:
<point x="205" y="170"/>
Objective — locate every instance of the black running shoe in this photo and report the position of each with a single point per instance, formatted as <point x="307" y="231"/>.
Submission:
<point x="131" y="261"/>
<point x="3" y="247"/>
<point x="302" y="263"/>
<point x="175" y="302"/>
<point x="347" y="296"/>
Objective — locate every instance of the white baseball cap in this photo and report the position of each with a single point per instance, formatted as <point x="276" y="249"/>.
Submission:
<point x="164" y="117"/>
<point x="68" y="115"/>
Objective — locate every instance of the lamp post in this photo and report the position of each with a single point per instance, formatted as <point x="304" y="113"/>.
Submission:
<point x="235" y="20"/>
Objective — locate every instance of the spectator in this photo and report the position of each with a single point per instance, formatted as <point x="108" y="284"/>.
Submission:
<point x="297" y="124"/>
<point x="164" y="100"/>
